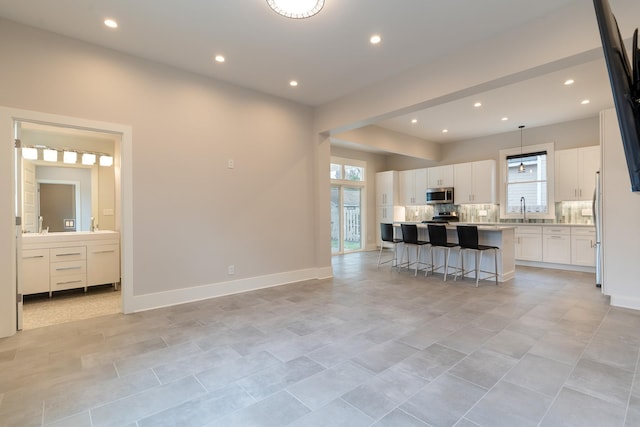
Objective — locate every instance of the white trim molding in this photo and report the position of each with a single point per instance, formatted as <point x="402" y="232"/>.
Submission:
<point x="214" y="290"/>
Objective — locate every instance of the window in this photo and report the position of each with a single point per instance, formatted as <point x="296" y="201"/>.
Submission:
<point x="529" y="189"/>
<point x="531" y="184"/>
<point x="347" y="172"/>
<point x="347" y="205"/>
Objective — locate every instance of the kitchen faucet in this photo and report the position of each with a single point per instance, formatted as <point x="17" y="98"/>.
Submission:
<point x="523" y="208"/>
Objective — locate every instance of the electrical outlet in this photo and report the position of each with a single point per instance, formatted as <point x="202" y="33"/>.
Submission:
<point x="482" y="212"/>
<point x="230" y="164"/>
<point x="231" y="269"/>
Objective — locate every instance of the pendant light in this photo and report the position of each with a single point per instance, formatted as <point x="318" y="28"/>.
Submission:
<point x="521" y="168"/>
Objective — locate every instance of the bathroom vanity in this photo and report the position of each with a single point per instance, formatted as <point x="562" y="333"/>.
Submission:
<point x="68" y="260"/>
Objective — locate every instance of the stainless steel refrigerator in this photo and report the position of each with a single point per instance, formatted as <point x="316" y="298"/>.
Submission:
<point x="597" y="220"/>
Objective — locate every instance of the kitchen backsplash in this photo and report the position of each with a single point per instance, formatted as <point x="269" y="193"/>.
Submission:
<point x="574" y="212"/>
<point x="566" y="212"/>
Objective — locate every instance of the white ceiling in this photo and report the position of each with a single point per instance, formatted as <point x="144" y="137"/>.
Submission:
<point x="329" y="54"/>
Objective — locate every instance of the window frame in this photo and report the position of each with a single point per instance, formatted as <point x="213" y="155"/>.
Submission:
<point x="504" y="174"/>
<point x="341" y="184"/>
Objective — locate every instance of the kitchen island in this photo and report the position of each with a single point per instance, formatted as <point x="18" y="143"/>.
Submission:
<point x="502" y="236"/>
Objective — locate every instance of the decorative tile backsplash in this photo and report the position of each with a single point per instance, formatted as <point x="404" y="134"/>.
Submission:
<point x="566" y="212"/>
<point x="574" y="212"/>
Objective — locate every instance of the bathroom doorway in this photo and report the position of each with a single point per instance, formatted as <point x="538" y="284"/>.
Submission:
<point x="115" y="217"/>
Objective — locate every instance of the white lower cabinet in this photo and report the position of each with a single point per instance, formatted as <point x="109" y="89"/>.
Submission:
<point x="529" y="243"/>
<point x="583" y="250"/>
<point x="103" y="264"/>
<point x="68" y="261"/>
<point x="35" y="271"/>
<point x="556" y="245"/>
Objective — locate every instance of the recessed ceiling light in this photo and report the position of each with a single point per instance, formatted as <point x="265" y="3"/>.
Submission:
<point x="568" y="82"/>
<point x="414" y="120"/>
<point x="110" y="23"/>
<point x="293" y="83"/>
<point x="445" y="130"/>
<point x="585" y="102"/>
<point x="375" y="39"/>
<point x="219" y="58"/>
<point x="504" y="119"/>
<point x="477" y="104"/>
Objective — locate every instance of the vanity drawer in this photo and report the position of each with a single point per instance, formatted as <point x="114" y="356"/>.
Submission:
<point x="72" y="281"/>
<point x="68" y="268"/>
<point x="71" y="253"/>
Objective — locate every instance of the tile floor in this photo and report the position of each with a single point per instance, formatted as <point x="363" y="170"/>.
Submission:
<point x="367" y="348"/>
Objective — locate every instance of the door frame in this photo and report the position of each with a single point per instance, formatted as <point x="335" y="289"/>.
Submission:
<point x="123" y="204"/>
<point x="341" y="188"/>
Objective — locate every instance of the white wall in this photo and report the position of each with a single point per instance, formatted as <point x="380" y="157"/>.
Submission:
<point x="192" y="216"/>
<point x="572" y="134"/>
<point x="621" y="220"/>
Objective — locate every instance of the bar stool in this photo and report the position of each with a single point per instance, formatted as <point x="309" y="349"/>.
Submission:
<point x="468" y="241"/>
<point x="386" y="234"/>
<point x="438" y="240"/>
<point x="410" y="238"/>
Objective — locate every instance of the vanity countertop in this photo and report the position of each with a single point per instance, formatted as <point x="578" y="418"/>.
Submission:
<point x="69" y="236"/>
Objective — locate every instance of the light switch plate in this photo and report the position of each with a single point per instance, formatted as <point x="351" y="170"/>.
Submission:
<point x="482" y="212"/>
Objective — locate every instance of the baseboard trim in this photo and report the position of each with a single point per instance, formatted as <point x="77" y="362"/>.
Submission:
<point x="625" y="302"/>
<point x="213" y="290"/>
<point x="554" y="266"/>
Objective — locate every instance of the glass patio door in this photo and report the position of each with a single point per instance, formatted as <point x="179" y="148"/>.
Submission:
<point x="346" y="219"/>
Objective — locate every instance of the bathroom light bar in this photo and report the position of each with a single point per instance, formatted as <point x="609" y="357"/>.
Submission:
<point x="68" y="156"/>
<point x="88" y="159"/>
<point x="50" y="155"/>
<point x="106" y="161"/>
<point x="30" y="153"/>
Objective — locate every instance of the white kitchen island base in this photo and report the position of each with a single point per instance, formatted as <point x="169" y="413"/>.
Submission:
<point x="495" y="235"/>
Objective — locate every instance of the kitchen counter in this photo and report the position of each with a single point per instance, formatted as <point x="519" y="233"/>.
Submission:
<point x="500" y="235"/>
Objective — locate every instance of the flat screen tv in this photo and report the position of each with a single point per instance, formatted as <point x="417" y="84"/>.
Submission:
<point x="624" y="77"/>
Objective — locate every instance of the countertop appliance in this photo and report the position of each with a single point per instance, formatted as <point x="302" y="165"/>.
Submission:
<point x="439" y="195"/>
<point x="597" y="220"/>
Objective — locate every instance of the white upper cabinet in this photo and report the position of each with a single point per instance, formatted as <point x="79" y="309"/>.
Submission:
<point x="387" y="188"/>
<point x="440" y="176"/>
<point x="475" y="182"/>
<point x="413" y="186"/>
<point x="575" y="173"/>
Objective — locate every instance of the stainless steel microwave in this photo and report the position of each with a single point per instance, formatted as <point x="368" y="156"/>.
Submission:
<point x="439" y="195"/>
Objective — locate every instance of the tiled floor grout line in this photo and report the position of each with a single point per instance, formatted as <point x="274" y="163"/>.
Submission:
<point x="575" y="364"/>
<point x="633" y="382"/>
<point x="400" y="307"/>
